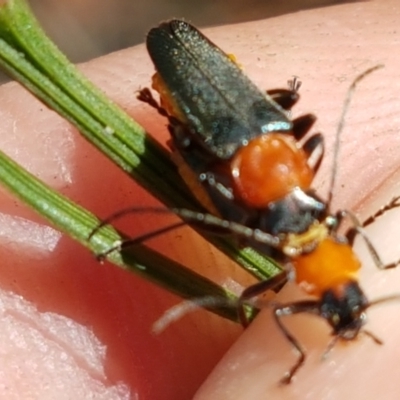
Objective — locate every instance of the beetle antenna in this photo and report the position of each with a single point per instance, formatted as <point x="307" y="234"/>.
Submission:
<point x="186" y="307"/>
<point x="384" y="300"/>
<point x="342" y="120"/>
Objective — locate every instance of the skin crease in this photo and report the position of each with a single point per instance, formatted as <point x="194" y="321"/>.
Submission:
<point x="68" y="299"/>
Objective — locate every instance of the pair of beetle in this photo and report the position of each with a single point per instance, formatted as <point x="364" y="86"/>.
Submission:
<point x="240" y="154"/>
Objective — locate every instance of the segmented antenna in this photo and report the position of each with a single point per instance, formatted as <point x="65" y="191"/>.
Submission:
<point x="342" y="120"/>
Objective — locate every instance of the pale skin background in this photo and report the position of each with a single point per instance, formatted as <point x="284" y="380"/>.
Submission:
<point x="82" y="330"/>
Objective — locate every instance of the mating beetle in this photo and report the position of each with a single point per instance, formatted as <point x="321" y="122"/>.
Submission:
<point x="249" y="164"/>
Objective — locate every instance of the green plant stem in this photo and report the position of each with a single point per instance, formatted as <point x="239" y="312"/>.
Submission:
<point x="79" y="223"/>
<point x="31" y="58"/>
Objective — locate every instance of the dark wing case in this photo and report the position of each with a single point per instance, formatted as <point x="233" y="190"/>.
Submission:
<point x="222" y="106"/>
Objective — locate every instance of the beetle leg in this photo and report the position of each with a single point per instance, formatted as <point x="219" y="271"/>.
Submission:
<point x="307" y="306"/>
<point x="358" y="228"/>
<point x="314" y="147"/>
<point x="286" y="98"/>
<point x="302" y="124"/>
<point x="255" y="290"/>
<point x="146" y="96"/>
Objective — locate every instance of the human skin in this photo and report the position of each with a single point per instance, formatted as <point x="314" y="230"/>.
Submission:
<point x="67" y="294"/>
